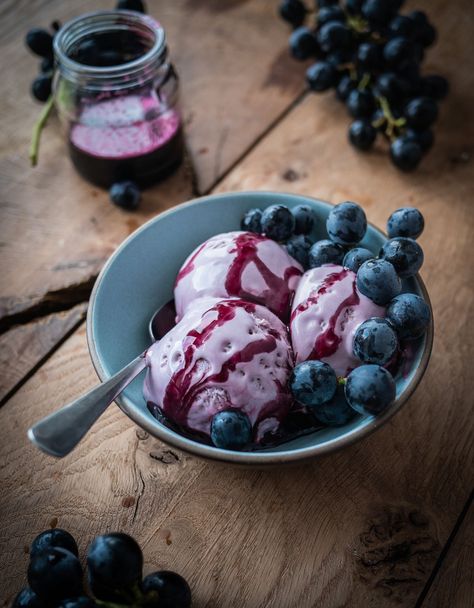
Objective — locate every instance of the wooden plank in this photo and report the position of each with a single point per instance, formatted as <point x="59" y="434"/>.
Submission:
<point x="45" y="209"/>
<point x="361" y="528"/>
<point x="24" y="347"/>
<point x="454" y="585"/>
<point x="99" y="486"/>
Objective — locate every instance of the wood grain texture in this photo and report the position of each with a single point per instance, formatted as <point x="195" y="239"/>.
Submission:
<point x="57" y="230"/>
<point x="454" y="585"/>
<point x="362" y="528"/>
<point x="24" y="347"/>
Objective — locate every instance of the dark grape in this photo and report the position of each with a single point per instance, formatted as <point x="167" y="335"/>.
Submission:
<point x="425" y="139"/>
<point x="401" y="25"/>
<point x="390" y="86"/>
<point x="344" y="87"/>
<point x="278" y="222"/>
<point x="406" y="221"/>
<point x="405" y="153"/>
<point x="335" y="412"/>
<point x="426" y="35"/>
<point x="304" y="219"/>
<point x="41" y="87"/>
<point x="303" y="44"/>
<point x="370" y="56"/>
<point x="54" y="574"/>
<point x="405" y="255"/>
<point x="27" y="598"/>
<point x="231" y="430"/>
<point x="362" y="134"/>
<point x="298" y="247"/>
<point x="370" y="389"/>
<point x="321" y="76"/>
<point x="346" y="223"/>
<point x="313" y="383"/>
<point x="87" y="53"/>
<point x="356" y="257"/>
<point x="171" y="589"/>
<point x="40" y="42"/>
<point x="378" y="280"/>
<point x="47" y="65"/>
<point x="293" y="11"/>
<point x="132" y="5"/>
<point x="398" y="52"/>
<point x="81" y="601"/>
<point x="418" y="17"/>
<point x="330" y="13"/>
<point x="333" y="36"/>
<point x="56" y="537"/>
<point x="115" y="563"/>
<point x="409" y="315"/>
<point x="421" y="112"/>
<point x="252" y="221"/>
<point x="340" y="57"/>
<point x="325" y="252"/>
<point x="361" y="104"/>
<point x="354" y="7"/>
<point x="378" y="12"/>
<point x="375" y="341"/>
<point x="125" y="194"/>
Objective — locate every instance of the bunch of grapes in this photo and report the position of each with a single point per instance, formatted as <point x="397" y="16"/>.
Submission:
<point x="114" y="576"/>
<point x="371" y="55"/>
<point x="40" y="42"/>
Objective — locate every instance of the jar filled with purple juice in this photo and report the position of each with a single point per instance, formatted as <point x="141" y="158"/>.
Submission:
<point x="116" y="93"/>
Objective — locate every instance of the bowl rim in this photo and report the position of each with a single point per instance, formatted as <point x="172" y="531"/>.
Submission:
<point x="184" y="444"/>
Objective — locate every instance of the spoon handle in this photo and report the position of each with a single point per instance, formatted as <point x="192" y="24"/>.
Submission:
<point x="60" y="432"/>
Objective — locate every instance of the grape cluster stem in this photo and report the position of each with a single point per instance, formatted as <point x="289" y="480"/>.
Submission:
<point x="37" y="130"/>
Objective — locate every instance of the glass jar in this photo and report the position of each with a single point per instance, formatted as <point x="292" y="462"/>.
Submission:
<point x="116" y="94"/>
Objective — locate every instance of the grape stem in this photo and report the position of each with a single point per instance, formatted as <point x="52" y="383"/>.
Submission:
<point x="356" y="23"/>
<point x="37" y="130"/>
<point x="364" y="82"/>
<point x="341" y="380"/>
<point x="392" y="123"/>
<point x="135" y="599"/>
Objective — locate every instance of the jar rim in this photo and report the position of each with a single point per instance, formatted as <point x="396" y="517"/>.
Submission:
<point x="72" y="29"/>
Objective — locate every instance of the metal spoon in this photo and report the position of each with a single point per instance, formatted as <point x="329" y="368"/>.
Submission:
<point x="60" y="432"/>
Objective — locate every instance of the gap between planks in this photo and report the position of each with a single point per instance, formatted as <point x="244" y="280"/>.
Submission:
<point x="444" y="552"/>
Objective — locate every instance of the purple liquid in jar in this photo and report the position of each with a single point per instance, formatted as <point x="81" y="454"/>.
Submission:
<point x="126" y="137"/>
<point x="116" y="93"/>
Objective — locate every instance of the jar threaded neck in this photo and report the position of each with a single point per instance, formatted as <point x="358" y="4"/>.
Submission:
<point x="124" y="75"/>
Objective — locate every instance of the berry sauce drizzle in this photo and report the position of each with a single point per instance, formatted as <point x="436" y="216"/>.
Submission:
<point x="189" y="379"/>
<point x="247" y="253"/>
<point x="327" y="342"/>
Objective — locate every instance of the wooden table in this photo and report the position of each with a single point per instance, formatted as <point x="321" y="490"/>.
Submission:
<point x="386" y="522"/>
